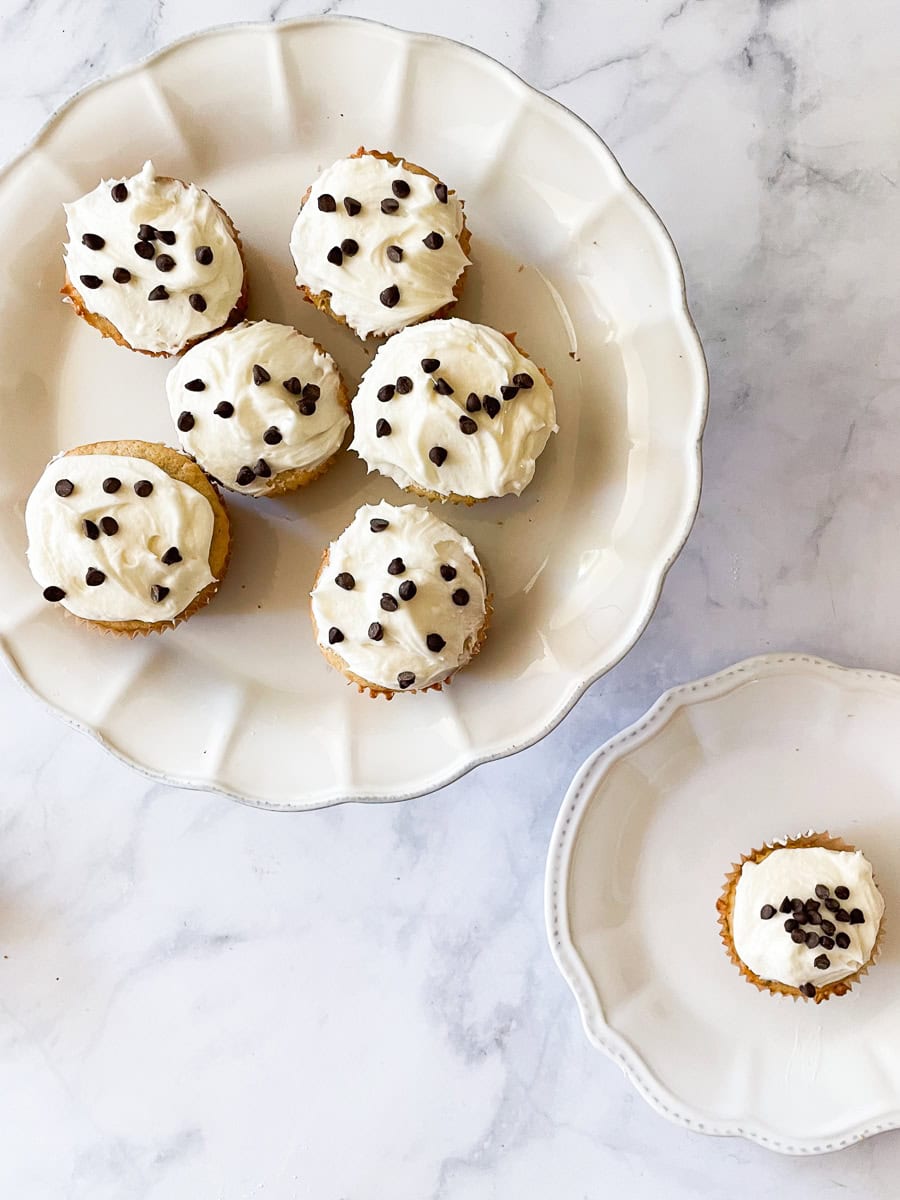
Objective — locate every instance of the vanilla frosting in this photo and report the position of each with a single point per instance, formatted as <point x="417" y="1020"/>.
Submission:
<point x="184" y="231"/>
<point x="410" y="415"/>
<point x="151" y="550"/>
<point x="345" y="244"/>
<point x="270" y="401"/>
<point x="760" y="938"/>
<point x="402" y="598"/>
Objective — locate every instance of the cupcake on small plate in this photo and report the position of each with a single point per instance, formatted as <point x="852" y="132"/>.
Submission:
<point x="129" y="537"/>
<point x="153" y="263"/>
<point x="802" y="917"/>
<point x="380" y="243"/>
<point x="261" y="407"/>
<point x="453" y="411"/>
<point x="400" y="602"/>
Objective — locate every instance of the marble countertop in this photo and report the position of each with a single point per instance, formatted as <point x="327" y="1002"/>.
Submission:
<point x="204" y="1001"/>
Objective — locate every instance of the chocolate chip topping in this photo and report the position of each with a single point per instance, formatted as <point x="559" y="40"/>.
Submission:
<point x="790" y="925"/>
<point x="352" y="206"/>
<point x="430" y="365"/>
<point x="807" y="989"/>
<point x="158" y="592"/>
<point x="260" y="375"/>
<point x="447" y="572"/>
<point x="389" y="205"/>
<point x="386" y="393"/>
<point x="798" y="936"/>
<point x="310" y="391"/>
<point x="167" y="236"/>
<point x="823" y="962"/>
<point x="400" y="188"/>
<point x="349" y="247"/>
<point x="171" y="556"/>
<point x="91" y="281"/>
<point x="144" y="250"/>
<point x="93" y="577"/>
<point x="93" y="241"/>
<point x="224" y="409"/>
<point x="158" y="293"/>
<point x="376" y="631"/>
<point x="785" y="905"/>
<point x="473" y="404"/>
<point x="383" y="428"/>
<point x="292" y="385"/>
<point x="842" y="892"/>
<point x="812" y="939"/>
<point x="165" y="262"/>
<point x="404" y="385"/>
<point x="442" y="387"/>
<point x="828" y="926"/>
<point x="467" y="425"/>
<point x="262" y="469"/>
<point x="122" y="275"/>
<point x="832" y="905"/>
<point x="185" y="421"/>
<point x="767" y="912"/>
<point x="326" y="203"/>
<point x="378" y="524"/>
<point x="396" y="566"/>
<point x="143" y="488"/>
<point x="334" y="635"/>
<point x="64" y="487"/>
<point x="407" y="589"/>
<point x="436" y="643"/>
<point x="491" y="406"/>
<point x="438" y="455"/>
<point x="460" y="597"/>
<point x="390" y="296"/>
<point x="245" y="476"/>
<point x="196" y="301"/>
<point x="109" y="525"/>
<point x="119" y="192"/>
<point x="195" y="385"/>
<point x="406" y="679"/>
<point x="306" y="408"/>
<point x="523" y="380"/>
<point x="146" y="233"/>
<point x="826" y="942"/>
<point x="508" y="392"/>
<point x="272" y="436"/>
<point x="843" y="940"/>
<point x="345" y="580"/>
<point x="335" y="255"/>
<point x="433" y="241"/>
<point x="842" y="915"/>
<point x="111" y="484"/>
<point x="857" y="917"/>
<point x="53" y="594"/>
<point x="440" y="190"/>
<point x="395" y="253"/>
<point x="204" y="255"/>
<point x="388" y="602"/>
<point x="90" y="530"/>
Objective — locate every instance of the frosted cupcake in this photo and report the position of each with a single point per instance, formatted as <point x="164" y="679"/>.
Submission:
<point x="802" y="917"/>
<point x="380" y="243"/>
<point x="130" y="537"/>
<point x="453" y="411"/>
<point x="261" y="407"/>
<point x="400" y="602"/>
<point x="153" y="263"/>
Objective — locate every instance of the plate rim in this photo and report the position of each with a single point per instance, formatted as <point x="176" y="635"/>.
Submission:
<point x="694" y="450"/>
<point x="582" y="790"/>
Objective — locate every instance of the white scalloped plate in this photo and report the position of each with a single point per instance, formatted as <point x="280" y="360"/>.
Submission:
<point x="566" y="252"/>
<point x="652" y="822"/>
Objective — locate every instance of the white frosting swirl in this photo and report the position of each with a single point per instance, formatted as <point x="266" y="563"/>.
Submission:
<point x="424" y="277"/>
<point x="766" y="947"/>
<point x="160" y="326"/>
<point x="499" y="457"/>
<point x="232" y="445"/>
<point x="423" y="544"/>
<point x="61" y="554"/>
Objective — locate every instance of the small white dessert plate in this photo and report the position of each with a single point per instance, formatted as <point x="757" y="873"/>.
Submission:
<point x="565" y="252"/>
<point x="651" y="824"/>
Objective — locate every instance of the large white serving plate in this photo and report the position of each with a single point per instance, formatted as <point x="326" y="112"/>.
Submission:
<point x="566" y="253"/>
<point x="774" y="746"/>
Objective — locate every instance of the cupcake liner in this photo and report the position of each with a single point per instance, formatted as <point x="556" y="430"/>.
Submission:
<point x="724" y="905"/>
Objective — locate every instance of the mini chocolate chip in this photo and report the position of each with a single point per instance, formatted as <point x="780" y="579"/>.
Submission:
<point x="53" y="594"/>
<point x="122" y="275"/>
<point x="144" y="250"/>
<point x="813" y="905"/>
<point x="111" y="484"/>
<point x="386" y="393"/>
<point x="406" y="679"/>
<point x="767" y="912"/>
<point x="345" y="580"/>
<point x="832" y="905"/>
<point x="119" y="192"/>
<point x="812" y="939"/>
<point x="440" y="190"/>
<point x="388" y="603"/>
<point x="822" y="891"/>
<point x="64" y="487"/>
<point x="196" y="301"/>
<point x="491" y="406"/>
<point x="467" y="425"/>
<point x="407" y="589"/>
<point x="185" y="421"/>
<point x="158" y="293"/>
<point x="843" y="940"/>
<point x="93" y="241"/>
<point x="158" y="592"/>
<point x="842" y="892"/>
<point x="167" y="236"/>
<point x="828" y="926"/>
<point x="798" y="936"/>
<point x="460" y="597"/>
<point x="306" y="408"/>
<point x="796" y="903"/>
<point x="430" y="365"/>
<point x="335" y="255"/>
<point x="523" y="380"/>
<point x="473" y="404"/>
<point x="857" y="916"/>
<point x="448" y="572"/>
<point x="146" y="233"/>
<point x="245" y="476"/>
<point x="807" y="989"/>
<point x="823" y="962"/>
<point x="826" y="942"/>
<point x="508" y="392"/>
<point x="442" y="387"/>
<point x="785" y="905"/>
<point x="204" y="255"/>
<point x="262" y="469"/>
<point x="109" y="525"/>
<point x="390" y="296"/>
<point x="396" y="566"/>
<point x="272" y="436"/>
<point x="310" y="391"/>
<point x="438" y="455"/>
<point x="433" y="241"/>
<point x="395" y="253"/>
<point x="171" y="556"/>
<point x="91" y="281"/>
<point x="389" y="205"/>
<point x="378" y="524"/>
<point x="292" y="385"/>
<point x="436" y="643"/>
<point x="376" y="631"/>
<point x="790" y="925"/>
<point x="842" y="915"/>
<point x="400" y="188"/>
<point x="260" y="375"/>
<point x="93" y="577"/>
<point x="334" y="635"/>
<point x="349" y="247"/>
<point x="165" y="262"/>
<point x="326" y="203"/>
<point x="813" y="917"/>
<point x="143" y="488"/>
<point x="404" y="385"/>
<point x="90" y="530"/>
<point x="224" y="409"/>
<point x="383" y="428"/>
<point x="352" y="206"/>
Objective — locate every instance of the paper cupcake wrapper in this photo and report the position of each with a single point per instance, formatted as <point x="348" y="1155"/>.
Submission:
<point x="725" y="904"/>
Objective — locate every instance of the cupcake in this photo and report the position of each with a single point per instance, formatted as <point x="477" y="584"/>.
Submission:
<point x="153" y="263"/>
<point x="453" y="411"/>
<point x="261" y="407"/>
<point x="380" y="243"/>
<point x="130" y="537"/>
<point x="400" y="601"/>
<point x="802" y="917"/>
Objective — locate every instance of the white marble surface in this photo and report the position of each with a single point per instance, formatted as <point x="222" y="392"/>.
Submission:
<point x="200" y="1000"/>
